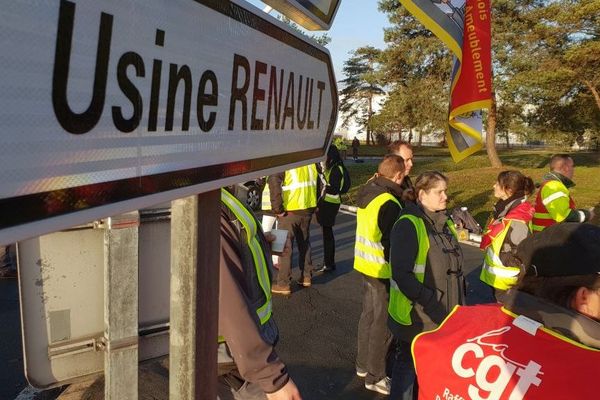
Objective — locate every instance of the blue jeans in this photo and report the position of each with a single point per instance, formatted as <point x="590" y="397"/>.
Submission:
<point x="404" y="378"/>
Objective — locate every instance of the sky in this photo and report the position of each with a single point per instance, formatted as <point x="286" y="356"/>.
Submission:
<point x="357" y="23"/>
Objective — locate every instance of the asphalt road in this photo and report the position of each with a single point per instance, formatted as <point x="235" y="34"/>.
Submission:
<point x="317" y="324"/>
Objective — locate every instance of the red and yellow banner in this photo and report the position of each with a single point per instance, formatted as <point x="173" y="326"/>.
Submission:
<point x="465" y="27"/>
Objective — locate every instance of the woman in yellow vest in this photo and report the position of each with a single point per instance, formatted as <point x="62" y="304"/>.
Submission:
<point x="329" y="205"/>
<point x="427" y="280"/>
<point x="509" y="225"/>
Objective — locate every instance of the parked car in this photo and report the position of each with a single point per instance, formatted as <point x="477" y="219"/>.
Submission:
<point x="250" y="193"/>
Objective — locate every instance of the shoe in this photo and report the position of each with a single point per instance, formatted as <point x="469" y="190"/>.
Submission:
<point x="383" y="386"/>
<point x="304" y="281"/>
<point x="281" y="289"/>
<point x="324" y="269"/>
<point x="361" y="372"/>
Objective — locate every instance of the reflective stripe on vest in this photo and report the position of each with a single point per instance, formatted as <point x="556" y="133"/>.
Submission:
<point x="334" y="198"/>
<point x="552" y="194"/>
<point x="485" y="351"/>
<point x="299" y="189"/>
<point x="250" y="226"/>
<point x="266" y="196"/>
<point x="493" y="271"/>
<point x="400" y="306"/>
<point x="369" y="257"/>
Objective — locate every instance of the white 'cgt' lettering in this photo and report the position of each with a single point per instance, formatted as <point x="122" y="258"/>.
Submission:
<point x="528" y="375"/>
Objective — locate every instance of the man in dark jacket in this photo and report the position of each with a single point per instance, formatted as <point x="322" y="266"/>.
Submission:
<point x="249" y="368"/>
<point x="379" y="205"/>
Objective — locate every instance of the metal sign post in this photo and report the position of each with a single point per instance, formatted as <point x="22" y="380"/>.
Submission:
<point x="121" y="307"/>
<point x="195" y="239"/>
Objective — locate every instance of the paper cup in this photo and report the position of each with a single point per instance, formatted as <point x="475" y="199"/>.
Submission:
<point x="268" y="222"/>
<point x="280" y="237"/>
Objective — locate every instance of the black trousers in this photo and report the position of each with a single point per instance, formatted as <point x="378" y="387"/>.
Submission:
<point x="328" y="247"/>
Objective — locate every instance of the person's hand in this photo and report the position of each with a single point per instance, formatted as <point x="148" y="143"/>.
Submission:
<point x="288" y="392"/>
<point x="592" y="213"/>
<point x="287" y="247"/>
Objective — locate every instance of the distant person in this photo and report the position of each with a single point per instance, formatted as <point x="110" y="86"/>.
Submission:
<point x="404" y="149"/>
<point x="293" y="196"/>
<point x="329" y="205"/>
<point x="554" y="203"/>
<point x="510" y="225"/>
<point x="379" y="203"/>
<point x="427" y="279"/>
<point x="355" y="146"/>
<point x="249" y="368"/>
<point x="543" y="343"/>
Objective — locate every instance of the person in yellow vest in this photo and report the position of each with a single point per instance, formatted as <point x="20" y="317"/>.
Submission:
<point x="329" y="205"/>
<point x="553" y="203"/>
<point x="293" y="198"/>
<point x="379" y="203"/>
<point x="543" y="343"/>
<point x="427" y="280"/>
<point x="249" y="368"/>
<point x="509" y="225"/>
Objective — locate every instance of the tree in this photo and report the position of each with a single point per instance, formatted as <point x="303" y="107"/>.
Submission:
<point x="360" y="87"/>
<point x="563" y="80"/>
<point x="416" y="68"/>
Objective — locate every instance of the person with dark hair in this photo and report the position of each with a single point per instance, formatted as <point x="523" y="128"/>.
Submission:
<point x="553" y="203"/>
<point x="427" y="280"/>
<point x="378" y="207"/>
<point x="404" y="149"/>
<point x="543" y="343"/>
<point x="329" y="205"/>
<point x="355" y="146"/>
<point x="509" y="225"/>
<point x="248" y="366"/>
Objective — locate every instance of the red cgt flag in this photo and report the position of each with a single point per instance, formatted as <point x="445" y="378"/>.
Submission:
<point x="465" y="27"/>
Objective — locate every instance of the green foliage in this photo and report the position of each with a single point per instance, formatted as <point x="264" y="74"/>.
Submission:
<point x="359" y="88"/>
<point x="546" y="60"/>
<point x="340" y="143"/>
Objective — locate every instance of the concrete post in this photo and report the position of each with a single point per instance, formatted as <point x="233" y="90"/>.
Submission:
<point x="195" y="240"/>
<point x="121" y="307"/>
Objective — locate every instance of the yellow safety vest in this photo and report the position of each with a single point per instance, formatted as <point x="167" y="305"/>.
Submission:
<point x="400" y="306"/>
<point x="251" y="227"/>
<point x="553" y="204"/>
<point x="369" y="258"/>
<point x="334" y="198"/>
<point x="493" y="271"/>
<point x="298" y="191"/>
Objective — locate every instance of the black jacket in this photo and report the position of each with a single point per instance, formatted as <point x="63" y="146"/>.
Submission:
<point x="443" y="286"/>
<point x="326" y="211"/>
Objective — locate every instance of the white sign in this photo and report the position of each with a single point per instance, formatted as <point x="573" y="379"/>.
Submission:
<point x="116" y="105"/>
<point x="314" y="15"/>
